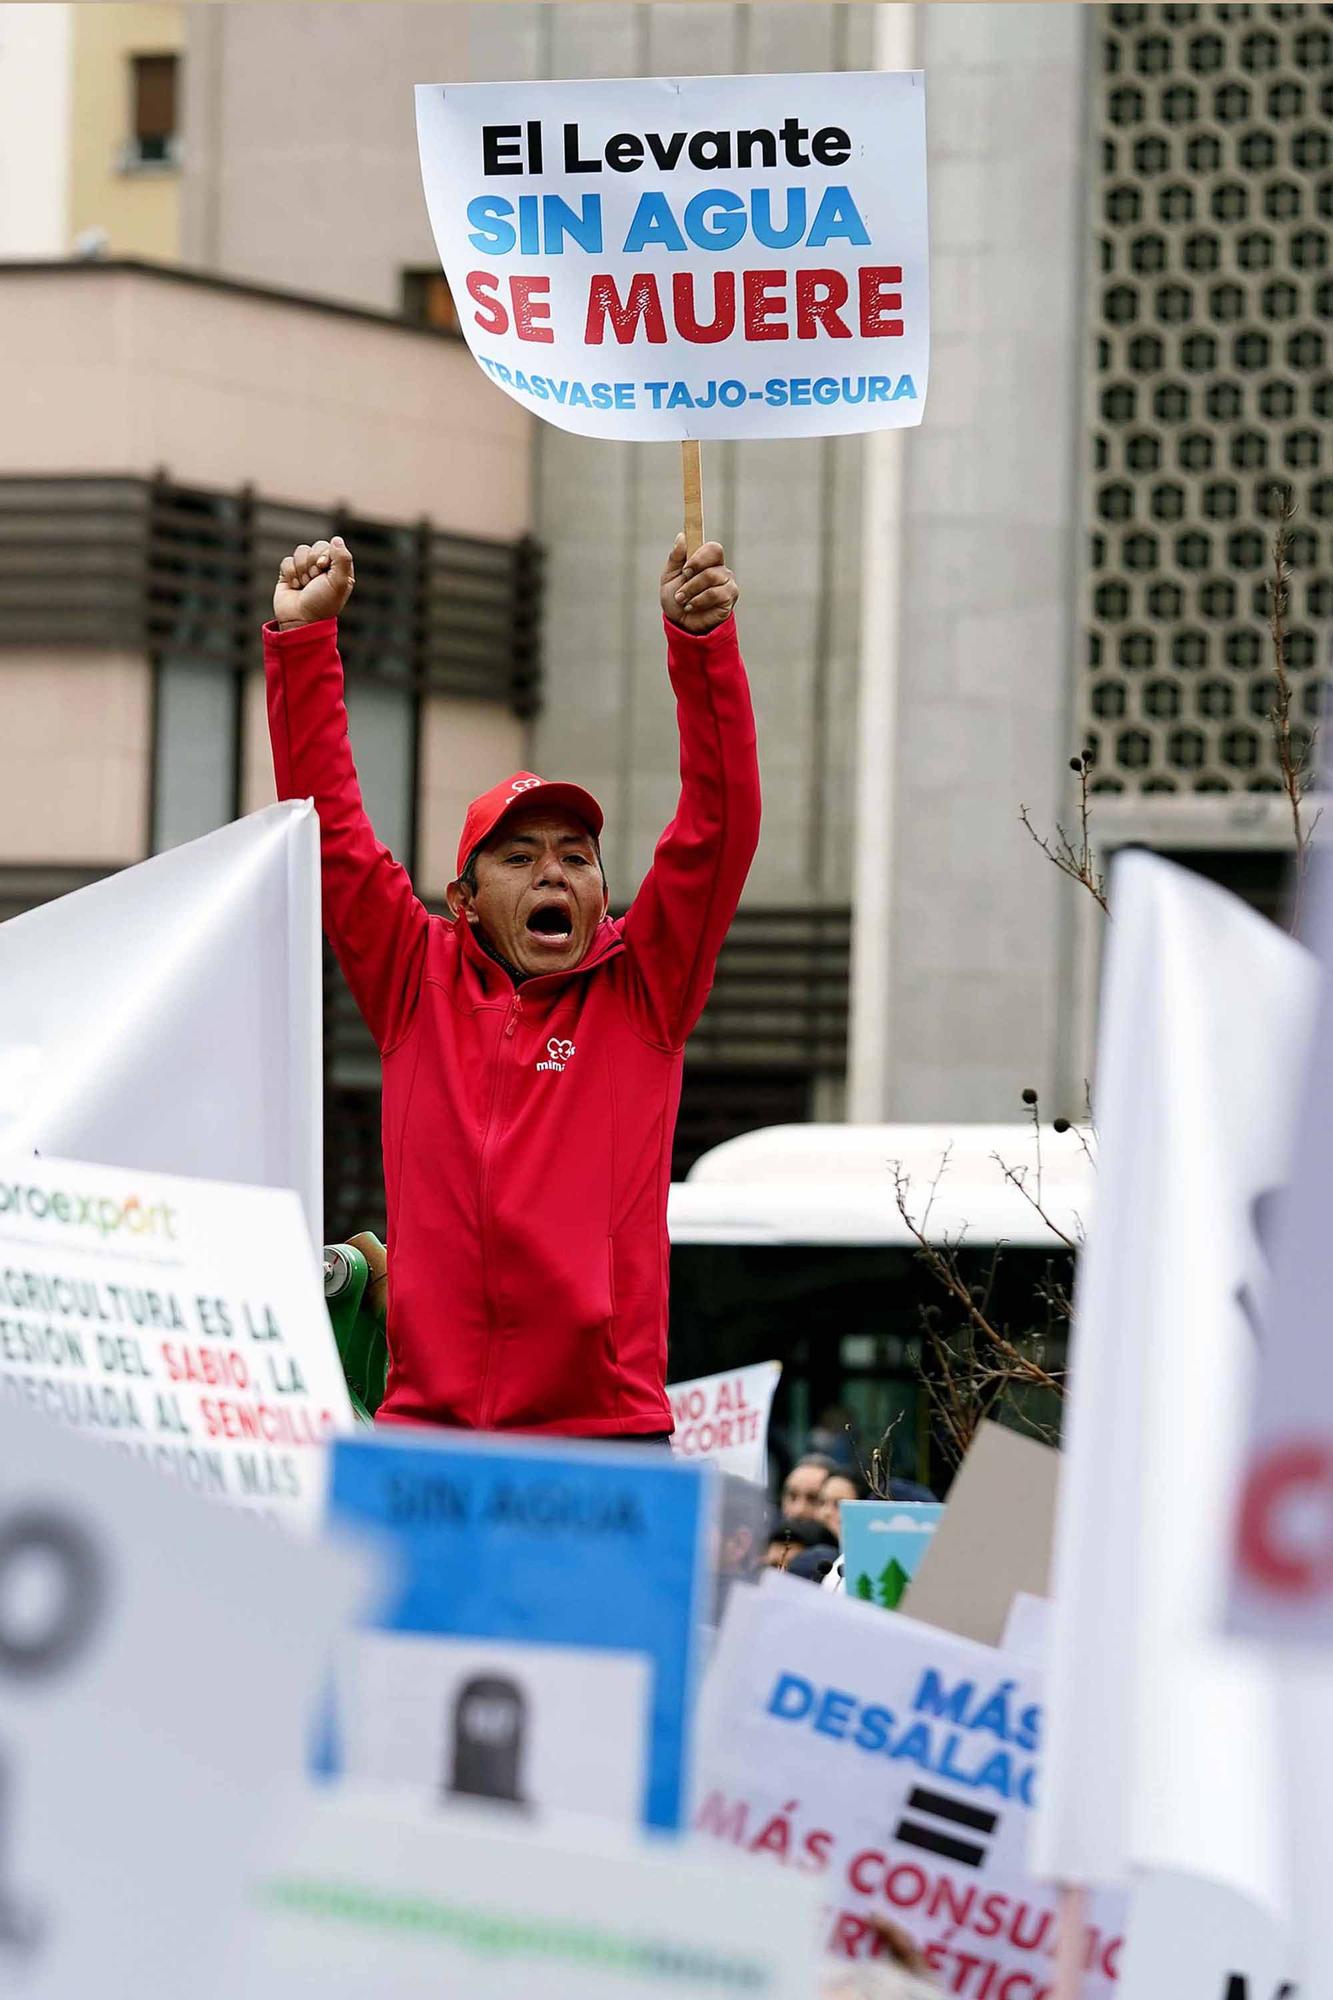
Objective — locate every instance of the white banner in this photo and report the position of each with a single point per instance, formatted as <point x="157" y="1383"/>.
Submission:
<point x="183" y="1321"/>
<point x="896" y="1766"/>
<point x="724" y="1418"/>
<point x="159" y="1662"/>
<point x="1283" y="1581"/>
<point x="372" y="1898"/>
<point x="170" y="1017"/>
<point x="1193" y="1940"/>
<point x="1162" y="1747"/>
<point x="689" y="257"/>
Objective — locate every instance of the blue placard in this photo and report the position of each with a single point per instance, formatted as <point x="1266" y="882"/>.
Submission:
<point x="598" y="1548"/>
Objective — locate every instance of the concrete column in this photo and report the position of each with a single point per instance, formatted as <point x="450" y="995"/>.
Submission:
<point x="873" y="851"/>
<point x="971" y="993"/>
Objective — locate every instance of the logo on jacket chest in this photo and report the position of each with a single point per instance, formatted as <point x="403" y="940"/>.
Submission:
<point x="558" y="1053"/>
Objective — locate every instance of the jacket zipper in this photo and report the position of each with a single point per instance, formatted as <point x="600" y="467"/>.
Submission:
<point x="484" y="1398"/>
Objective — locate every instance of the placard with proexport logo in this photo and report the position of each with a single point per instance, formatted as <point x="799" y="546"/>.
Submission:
<point x="689" y="257"/>
<point x="898" y="1767"/>
<point x="182" y="1321"/>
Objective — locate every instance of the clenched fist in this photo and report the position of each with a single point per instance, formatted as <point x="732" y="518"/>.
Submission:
<point x="699" y="594"/>
<point x="314" y="582"/>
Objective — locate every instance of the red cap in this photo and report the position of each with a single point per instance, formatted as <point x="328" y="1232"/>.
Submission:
<point x="523" y="789"/>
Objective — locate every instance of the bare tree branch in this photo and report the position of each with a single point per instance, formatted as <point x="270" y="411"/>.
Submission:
<point x="1295" y="757"/>
<point x="1077" y="862"/>
<point x="941" y="1261"/>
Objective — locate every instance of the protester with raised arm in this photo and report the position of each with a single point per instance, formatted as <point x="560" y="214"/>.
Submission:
<point x="531" y="1044"/>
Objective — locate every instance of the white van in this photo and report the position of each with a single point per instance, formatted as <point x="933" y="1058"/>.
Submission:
<point x="789" y="1244"/>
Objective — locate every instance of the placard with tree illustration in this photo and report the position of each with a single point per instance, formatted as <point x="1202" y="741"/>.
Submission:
<point x="883" y="1541"/>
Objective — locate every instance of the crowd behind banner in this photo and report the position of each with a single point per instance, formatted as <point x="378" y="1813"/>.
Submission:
<point x="292" y="1705"/>
<point x="497" y="1658"/>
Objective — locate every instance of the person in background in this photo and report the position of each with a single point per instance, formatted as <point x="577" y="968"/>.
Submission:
<point x="742" y="1531"/>
<point x="832" y="1435"/>
<point x="803" y="1485"/>
<point x="839" y="1486"/>
<point x="794" y="1538"/>
<point x="908" y="1489"/>
<point x="813" y="1565"/>
<point x="842" y="1486"/>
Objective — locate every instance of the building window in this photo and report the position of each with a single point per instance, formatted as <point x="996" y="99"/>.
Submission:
<point x="195" y="753"/>
<point x="154" y="93"/>
<point x="428" y="301"/>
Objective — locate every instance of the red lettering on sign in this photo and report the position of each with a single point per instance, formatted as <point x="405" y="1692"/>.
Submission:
<point x="878" y="304"/>
<point x="492" y="318"/>
<point x="530" y="304"/>
<point x="819" y="297"/>
<point x="764" y="305"/>
<point x="815" y="297"/>
<point x="1278" y="1481"/>
<point x="641" y="306"/>
<point x="688" y="324"/>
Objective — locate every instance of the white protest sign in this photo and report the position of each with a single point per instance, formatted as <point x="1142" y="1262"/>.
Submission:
<point x="724" y="1418"/>
<point x="1282" y="1587"/>
<point x="373" y="1898"/>
<point x="689" y="257"/>
<point x="171" y="1018"/>
<point x="898" y="1766"/>
<point x="159" y="1660"/>
<point x="1206" y="1009"/>
<point x="1188" y="1939"/>
<point x="180" y="1320"/>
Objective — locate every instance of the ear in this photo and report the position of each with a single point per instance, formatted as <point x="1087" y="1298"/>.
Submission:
<point x="459" y="898"/>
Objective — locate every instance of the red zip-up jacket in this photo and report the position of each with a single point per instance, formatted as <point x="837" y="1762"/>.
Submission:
<point x="527" y="1184"/>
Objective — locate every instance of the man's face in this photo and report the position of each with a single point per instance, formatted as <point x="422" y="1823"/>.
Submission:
<point x="539" y="894"/>
<point x="800" y="1493"/>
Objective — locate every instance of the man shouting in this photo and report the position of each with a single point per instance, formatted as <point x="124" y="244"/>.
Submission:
<point x="531" y="1044"/>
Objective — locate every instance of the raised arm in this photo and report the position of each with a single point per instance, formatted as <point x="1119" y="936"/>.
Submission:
<point x="680" y="917"/>
<point x="374" y="921"/>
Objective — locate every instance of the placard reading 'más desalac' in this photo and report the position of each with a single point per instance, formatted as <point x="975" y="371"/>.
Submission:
<point x="182" y="1321"/>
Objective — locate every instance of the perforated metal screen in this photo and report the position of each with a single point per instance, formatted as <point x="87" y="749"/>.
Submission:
<point x="1212" y="304"/>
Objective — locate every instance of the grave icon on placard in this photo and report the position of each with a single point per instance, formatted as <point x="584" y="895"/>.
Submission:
<point x="490" y="1726"/>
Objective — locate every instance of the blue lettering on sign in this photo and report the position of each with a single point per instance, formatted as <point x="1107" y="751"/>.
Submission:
<point x="591" y="395"/>
<point x="718" y="218"/>
<point x="837" y="215"/>
<point x="543" y="224"/>
<point x="791" y="1698"/>
<point x="941" y="1737"/>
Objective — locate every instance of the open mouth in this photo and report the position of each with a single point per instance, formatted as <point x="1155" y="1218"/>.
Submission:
<point x="550" y="926"/>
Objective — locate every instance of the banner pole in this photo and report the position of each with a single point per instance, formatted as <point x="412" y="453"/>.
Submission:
<point x="692" y="477"/>
<point x="1071" y="1906"/>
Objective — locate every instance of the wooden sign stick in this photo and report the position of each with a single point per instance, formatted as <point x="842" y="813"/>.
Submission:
<point x="691" y="471"/>
<point x="1071" y="1902"/>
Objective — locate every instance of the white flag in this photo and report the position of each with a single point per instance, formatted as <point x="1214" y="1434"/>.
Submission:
<point x="1161" y="1751"/>
<point x="169" y="1018"/>
<point x="1283" y="1583"/>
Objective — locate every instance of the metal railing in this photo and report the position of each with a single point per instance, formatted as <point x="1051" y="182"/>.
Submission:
<point x="176" y="571"/>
